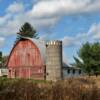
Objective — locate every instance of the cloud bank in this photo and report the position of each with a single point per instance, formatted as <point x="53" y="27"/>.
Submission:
<point x="92" y="35"/>
<point x="44" y="14"/>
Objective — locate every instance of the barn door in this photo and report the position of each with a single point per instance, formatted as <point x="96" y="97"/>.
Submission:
<point x="25" y="73"/>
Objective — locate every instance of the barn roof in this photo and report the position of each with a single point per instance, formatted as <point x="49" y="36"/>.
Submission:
<point x="41" y="46"/>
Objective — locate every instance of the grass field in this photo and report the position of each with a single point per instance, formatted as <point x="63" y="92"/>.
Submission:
<point x="84" y="88"/>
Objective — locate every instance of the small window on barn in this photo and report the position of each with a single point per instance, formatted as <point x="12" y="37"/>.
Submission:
<point x="80" y="72"/>
<point x="47" y="73"/>
<point x="73" y="71"/>
<point x="68" y="71"/>
<point x="9" y="70"/>
<point x="15" y="74"/>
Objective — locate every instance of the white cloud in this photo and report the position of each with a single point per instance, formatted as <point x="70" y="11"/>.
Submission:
<point x="10" y="28"/>
<point x="2" y="41"/>
<point x="4" y="19"/>
<point x="95" y="31"/>
<point x="50" y="8"/>
<point x="91" y="35"/>
<point x="15" y="7"/>
<point x="44" y="14"/>
<point x="67" y="41"/>
<point x="15" y="17"/>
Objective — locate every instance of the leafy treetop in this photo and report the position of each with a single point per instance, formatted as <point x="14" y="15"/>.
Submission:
<point x="89" y="58"/>
<point x="27" y="31"/>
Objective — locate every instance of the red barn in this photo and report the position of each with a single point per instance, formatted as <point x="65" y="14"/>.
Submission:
<point x="25" y="60"/>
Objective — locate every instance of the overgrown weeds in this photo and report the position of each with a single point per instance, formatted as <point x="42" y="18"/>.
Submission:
<point x="70" y="89"/>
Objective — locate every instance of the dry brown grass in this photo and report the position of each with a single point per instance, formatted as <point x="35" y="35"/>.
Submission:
<point x="96" y="80"/>
<point x="70" y="89"/>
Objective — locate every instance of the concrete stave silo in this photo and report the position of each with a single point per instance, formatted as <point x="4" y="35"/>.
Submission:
<point x="54" y="60"/>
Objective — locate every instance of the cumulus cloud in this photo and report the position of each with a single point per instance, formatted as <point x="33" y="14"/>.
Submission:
<point x="3" y="19"/>
<point x="44" y="14"/>
<point x="95" y="31"/>
<point x="16" y="16"/>
<point x="15" y="7"/>
<point x="91" y="35"/>
<point x="2" y="41"/>
<point x="67" y="41"/>
<point x="50" y="8"/>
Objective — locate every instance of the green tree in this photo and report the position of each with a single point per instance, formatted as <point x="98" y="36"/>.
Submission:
<point x="89" y="58"/>
<point x="27" y="31"/>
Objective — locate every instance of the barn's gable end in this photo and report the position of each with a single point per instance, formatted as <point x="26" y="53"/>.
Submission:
<point x="25" y="60"/>
<point x="25" y="53"/>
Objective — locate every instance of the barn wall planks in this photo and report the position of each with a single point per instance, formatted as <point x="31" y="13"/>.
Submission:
<point x="25" y="61"/>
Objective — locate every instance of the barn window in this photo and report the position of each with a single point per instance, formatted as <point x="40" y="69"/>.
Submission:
<point x="68" y="71"/>
<point x="10" y="71"/>
<point x="15" y="74"/>
<point x="73" y="71"/>
<point x="47" y="73"/>
<point x="79" y="71"/>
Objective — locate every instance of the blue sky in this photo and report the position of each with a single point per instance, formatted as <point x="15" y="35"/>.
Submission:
<point x="72" y="21"/>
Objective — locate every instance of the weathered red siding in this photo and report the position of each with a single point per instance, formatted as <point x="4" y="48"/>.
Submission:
<point x="25" y="61"/>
